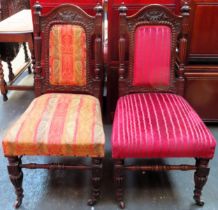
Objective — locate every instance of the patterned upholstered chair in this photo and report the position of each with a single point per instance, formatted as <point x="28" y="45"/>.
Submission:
<point x="152" y="119"/>
<point x="65" y="118"/>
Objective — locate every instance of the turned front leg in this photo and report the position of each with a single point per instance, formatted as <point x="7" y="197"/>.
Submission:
<point x="119" y="181"/>
<point x="96" y="180"/>
<point x="16" y="177"/>
<point x="200" y="178"/>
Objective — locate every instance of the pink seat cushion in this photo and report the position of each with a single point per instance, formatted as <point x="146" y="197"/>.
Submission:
<point x="152" y="56"/>
<point x="157" y="125"/>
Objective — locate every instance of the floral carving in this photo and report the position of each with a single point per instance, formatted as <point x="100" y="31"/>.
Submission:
<point x="153" y="15"/>
<point x="69" y="16"/>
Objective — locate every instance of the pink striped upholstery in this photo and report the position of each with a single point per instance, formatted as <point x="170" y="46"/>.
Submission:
<point x="156" y="125"/>
<point x="152" y="56"/>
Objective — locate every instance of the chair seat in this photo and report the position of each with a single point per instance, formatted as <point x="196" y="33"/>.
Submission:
<point x="58" y="124"/>
<point x="157" y="125"/>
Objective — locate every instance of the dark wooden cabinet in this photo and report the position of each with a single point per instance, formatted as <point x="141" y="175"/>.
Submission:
<point x="201" y="87"/>
<point x="203" y="32"/>
<point x="202" y="91"/>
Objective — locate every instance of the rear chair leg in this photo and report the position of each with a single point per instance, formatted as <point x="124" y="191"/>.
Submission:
<point x="200" y="178"/>
<point x="119" y="181"/>
<point x="96" y="181"/>
<point x="16" y="177"/>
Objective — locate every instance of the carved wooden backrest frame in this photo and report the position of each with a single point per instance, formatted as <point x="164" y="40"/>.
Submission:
<point x="148" y="15"/>
<point x="68" y="14"/>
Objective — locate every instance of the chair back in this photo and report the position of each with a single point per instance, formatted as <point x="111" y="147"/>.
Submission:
<point x="68" y="50"/>
<point x="147" y="50"/>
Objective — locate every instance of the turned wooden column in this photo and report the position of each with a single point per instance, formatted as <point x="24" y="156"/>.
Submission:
<point x="26" y="56"/>
<point x="119" y="181"/>
<point x="96" y="180"/>
<point x="2" y="82"/>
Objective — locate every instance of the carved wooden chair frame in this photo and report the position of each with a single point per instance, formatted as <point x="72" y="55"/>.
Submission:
<point x="64" y="14"/>
<point x="69" y="14"/>
<point x="150" y="15"/>
<point x="155" y="15"/>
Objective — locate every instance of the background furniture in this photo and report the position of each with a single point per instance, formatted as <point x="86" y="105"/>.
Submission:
<point x="15" y="30"/>
<point x="152" y="119"/>
<point x="201" y="71"/>
<point x="9" y="50"/>
<point x="202" y="59"/>
<point x="57" y="123"/>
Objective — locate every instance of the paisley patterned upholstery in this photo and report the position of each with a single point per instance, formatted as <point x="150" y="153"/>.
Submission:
<point x="156" y="125"/>
<point x="58" y="124"/>
<point x="67" y="55"/>
<point x="152" y="53"/>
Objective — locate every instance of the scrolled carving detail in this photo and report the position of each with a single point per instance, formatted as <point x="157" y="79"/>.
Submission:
<point x="69" y="16"/>
<point x="66" y="16"/>
<point x="153" y="15"/>
<point x="156" y="15"/>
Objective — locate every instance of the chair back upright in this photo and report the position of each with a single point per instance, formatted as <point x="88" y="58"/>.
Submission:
<point x="68" y="50"/>
<point x="147" y="45"/>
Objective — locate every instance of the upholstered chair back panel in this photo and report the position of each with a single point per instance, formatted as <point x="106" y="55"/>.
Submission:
<point x="67" y="55"/>
<point x="152" y="56"/>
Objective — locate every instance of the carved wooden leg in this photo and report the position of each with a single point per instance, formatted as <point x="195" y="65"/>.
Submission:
<point x="16" y="177"/>
<point x="200" y="178"/>
<point x="26" y="57"/>
<point x="11" y="74"/>
<point x="119" y="181"/>
<point x="96" y="180"/>
<point x="3" y="83"/>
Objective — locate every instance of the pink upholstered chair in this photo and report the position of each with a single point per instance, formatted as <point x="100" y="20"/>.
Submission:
<point x="65" y="118"/>
<point x="152" y="119"/>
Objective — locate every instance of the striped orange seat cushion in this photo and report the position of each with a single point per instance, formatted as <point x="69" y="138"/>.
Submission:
<point x="58" y="124"/>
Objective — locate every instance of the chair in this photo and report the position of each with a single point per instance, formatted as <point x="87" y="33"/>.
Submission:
<point x="152" y="119"/>
<point x="65" y="118"/>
